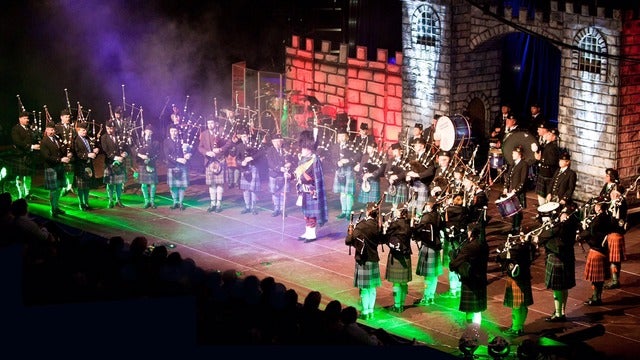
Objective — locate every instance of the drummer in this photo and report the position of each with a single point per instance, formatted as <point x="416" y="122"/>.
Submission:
<point x="497" y="134"/>
<point x="515" y="185"/>
<point x="547" y="157"/>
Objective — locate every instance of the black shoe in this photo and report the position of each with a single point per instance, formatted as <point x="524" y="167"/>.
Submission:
<point x="181" y="207"/>
<point x="310" y="240"/>
<point x="593" y="302"/>
<point x="612" y="285"/>
<point x="54" y="214"/>
<point x="111" y="205"/>
<point x="147" y="205"/>
<point x="245" y="211"/>
<point x="119" y="204"/>
<point x="341" y="216"/>
<point x="219" y="209"/>
<point x="211" y="209"/>
<point x="555" y="318"/>
<point x="276" y="213"/>
<point x="88" y="208"/>
<point x="254" y="211"/>
<point x="60" y="212"/>
<point x="153" y="206"/>
<point x="174" y="206"/>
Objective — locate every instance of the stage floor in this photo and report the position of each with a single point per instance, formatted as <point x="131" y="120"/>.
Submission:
<point x="263" y="245"/>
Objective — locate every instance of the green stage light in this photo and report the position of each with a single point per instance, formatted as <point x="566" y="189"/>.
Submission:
<point x="469" y="341"/>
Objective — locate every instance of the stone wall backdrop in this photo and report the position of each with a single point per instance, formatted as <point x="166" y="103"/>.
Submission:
<point x="629" y="133"/>
<point x="451" y="64"/>
<point x="598" y="112"/>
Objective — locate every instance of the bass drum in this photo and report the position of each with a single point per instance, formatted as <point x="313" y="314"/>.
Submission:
<point x="452" y="132"/>
<point x="524" y="139"/>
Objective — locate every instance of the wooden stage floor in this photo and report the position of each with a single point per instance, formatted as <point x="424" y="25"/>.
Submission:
<point x="266" y="246"/>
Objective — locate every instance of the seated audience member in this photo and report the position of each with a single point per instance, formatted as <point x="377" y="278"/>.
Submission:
<point x="352" y="332"/>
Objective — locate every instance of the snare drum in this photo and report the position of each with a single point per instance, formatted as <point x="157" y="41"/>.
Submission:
<point x="496" y="160"/>
<point x="549" y="210"/>
<point x="509" y="206"/>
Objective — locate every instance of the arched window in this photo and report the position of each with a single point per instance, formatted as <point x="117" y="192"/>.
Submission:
<point x="425" y="26"/>
<point x="590" y="59"/>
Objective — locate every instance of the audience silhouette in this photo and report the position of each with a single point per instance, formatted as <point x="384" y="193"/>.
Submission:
<point x="64" y="265"/>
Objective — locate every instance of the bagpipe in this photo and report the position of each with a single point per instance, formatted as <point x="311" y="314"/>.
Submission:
<point x="516" y="252"/>
<point x="35" y="128"/>
<point x="397" y="166"/>
<point x="373" y="164"/>
<point x="524" y="246"/>
<point x="357" y="242"/>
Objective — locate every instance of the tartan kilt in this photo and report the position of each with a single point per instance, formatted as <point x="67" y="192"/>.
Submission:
<point x="398" y="268"/>
<point x="372" y="196"/>
<point x="597" y="267"/>
<point x="114" y="174"/>
<point x="401" y="196"/>
<point x="517" y="294"/>
<point x="559" y="276"/>
<point x="311" y="208"/>
<point x="177" y="177"/>
<point x="54" y="178"/>
<point x="544" y="185"/>
<point x="348" y="185"/>
<point x="82" y="180"/>
<point x="447" y="246"/>
<point x="211" y="178"/>
<point x="276" y="184"/>
<point x="147" y="177"/>
<point x="69" y="167"/>
<point x="23" y="165"/>
<point x="254" y="183"/>
<point x="617" y="251"/>
<point x="429" y="263"/>
<point x="367" y="276"/>
<point x="473" y="300"/>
